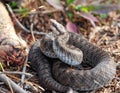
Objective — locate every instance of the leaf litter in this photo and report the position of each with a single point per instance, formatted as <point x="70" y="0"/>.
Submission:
<point x="105" y="34"/>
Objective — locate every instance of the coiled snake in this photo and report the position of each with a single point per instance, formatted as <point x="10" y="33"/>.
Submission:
<point x="54" y="74"/>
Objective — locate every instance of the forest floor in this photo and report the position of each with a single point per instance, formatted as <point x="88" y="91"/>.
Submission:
<point x="102" y="30"/>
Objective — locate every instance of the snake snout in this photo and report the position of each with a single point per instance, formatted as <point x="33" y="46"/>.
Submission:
<point x="57" y="27"/>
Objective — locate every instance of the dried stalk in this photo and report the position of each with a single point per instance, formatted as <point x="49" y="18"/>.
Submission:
<point x="20" y="25"/>
<point x="15" y="87"/>
<point x="16" y="72"/>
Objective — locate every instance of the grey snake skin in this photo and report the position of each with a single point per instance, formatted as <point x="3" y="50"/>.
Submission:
<point x="61" y="48"/>
<point x="56" y="75"/>
<point x="43" y="66"/>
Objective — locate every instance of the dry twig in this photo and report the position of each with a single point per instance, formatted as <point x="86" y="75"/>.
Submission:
<point x="24" y="69"/>
<point x="31" y="29"/>
<point x="16" y="72"/>
<point x="20" y="25"/>
<point x="7" y="81"/>
<point x="15" y="87"/>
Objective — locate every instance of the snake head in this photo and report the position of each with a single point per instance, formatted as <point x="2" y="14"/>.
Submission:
<point x="57" y="27"/>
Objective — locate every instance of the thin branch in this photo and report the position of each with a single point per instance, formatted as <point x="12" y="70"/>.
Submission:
<point x="24" y="69"/>
<point x="7" y="81"/>
<point x="20" y="25"/>
<point x="50" y="11"/>
<point x="31" y="29"/>
<point x="15" y="87"/>
<point x="34" y="85"/>
<point x="16" y="72"/>
<point x="43" y="12"/>
<point x="28" y="83"/>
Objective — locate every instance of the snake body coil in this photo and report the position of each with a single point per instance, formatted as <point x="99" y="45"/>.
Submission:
<point x="61" y="48"/>
<point x="65" y="50"/>
<point x="40" y="64"/>
<point x="102" y="71"/>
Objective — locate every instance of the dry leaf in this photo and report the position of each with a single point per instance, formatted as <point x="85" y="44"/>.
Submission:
<point x="71" y="27"/>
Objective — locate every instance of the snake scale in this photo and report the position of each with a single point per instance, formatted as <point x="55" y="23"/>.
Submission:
<point x="55" y="74"/>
